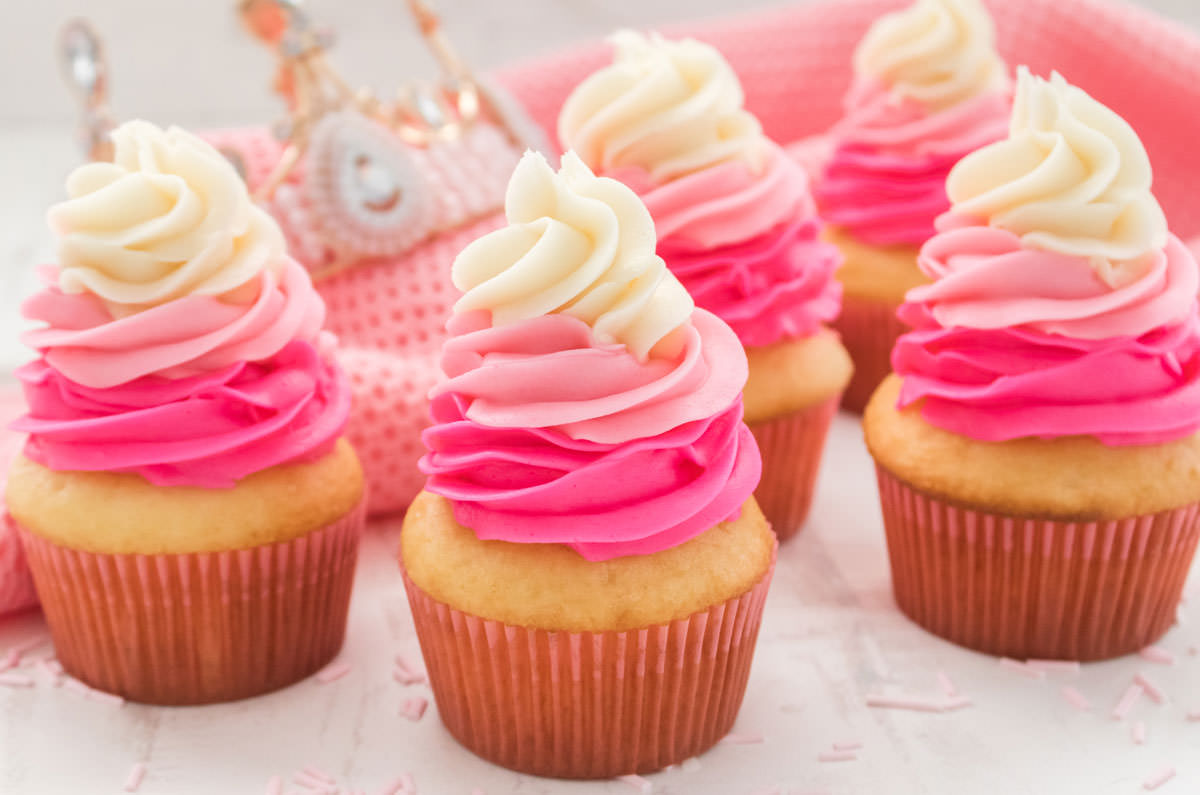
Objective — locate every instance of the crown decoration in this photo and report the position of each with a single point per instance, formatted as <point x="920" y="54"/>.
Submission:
<point x="374" y="177"/>
<point x="85" y="69"/>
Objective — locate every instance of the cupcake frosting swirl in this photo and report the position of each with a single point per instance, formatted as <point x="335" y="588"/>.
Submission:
<point x="1072" y="177"/>
<point x="176" y="340"/>
<point x="929" y="88"/>
<point x="1030" y="329"/>
<point x="578" y="245"/>
<point x="168" y="217"/>
<point x="667" y="107"/>
<point x="937" y="52"/>
<point x="553" y="427"/>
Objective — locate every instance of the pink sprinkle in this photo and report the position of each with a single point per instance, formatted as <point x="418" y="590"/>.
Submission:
<point x="848" y="745"/>
<point x="10" y="660"/>
<point x="905" y="702"/>
<point x="638" y="783"/>
<point x="274" y="786"/>
<point x="742" y="739"/>
<point x="134" y="779"/>
<point x="956" y="703"/>
<point x="1054" y="666"/>
<point x="21" y="649"/>
<point x="1128" y="700"/>
<point x="1194" y="716"/>
<point x="414" y="708"/>
<point x="947" y="684"/>
<point x="333" y="672"/>
<point x="1021" y="668"/>
<point x="400" y="784"/>
<point x="1154" y="691"/>
<point x="837" y="756"/>
<point x="48" y="671"/>
<point x="1075" y="698"/>
<point x="311" y="782"/>
<point x="318" y="773"/>
<point x="15" y="680"/>
<point x="1193" y="650"/>
<point x="1159" y="778"/>
<point x="1138" y="733"/>
<point x="1157" y="654"/>
<point x="75" y="686"/>
<point x="405" y="673"/>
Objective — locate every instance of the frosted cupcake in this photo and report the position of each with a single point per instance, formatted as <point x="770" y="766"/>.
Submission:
<point x="1037" y="446"/>
<point x="190" y="514"/>
<point x="737" y="225"/>
<point x="587" y="537"/>
<point x="928" y="89"/>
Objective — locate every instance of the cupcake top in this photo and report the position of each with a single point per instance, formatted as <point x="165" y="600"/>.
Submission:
<point x="176" y="339"/>
<point x="735" y="218"/>
<point x="587" y="402"/>
<point x="1061" y="306"/>
<point x="929" y="87"/>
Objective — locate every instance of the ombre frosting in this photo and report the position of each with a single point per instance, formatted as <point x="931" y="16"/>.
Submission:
<point x="1030" y="328"/>
<point x="197" y="367"/>
<point x="735" y="219"/>
<point x="929" y="88"/>
<point x="549" y="431"/>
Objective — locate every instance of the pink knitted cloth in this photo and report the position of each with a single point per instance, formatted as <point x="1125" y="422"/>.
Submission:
<point x="795" y="66"/>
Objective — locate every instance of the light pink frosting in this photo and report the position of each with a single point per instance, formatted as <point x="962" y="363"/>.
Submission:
<point x="190" y="335"/>
<point x="197" y="391"/>
<point x="1012" y="342"/>
<point x="885" y="181"/>
<point x="747" y="246"/>
<point x="543" y="435"/>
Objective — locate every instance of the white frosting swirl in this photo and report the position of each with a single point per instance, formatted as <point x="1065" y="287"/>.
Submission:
<point x="937" y="52"/>
<point x="668" y="107"/>
<point x="580" y="245"/>
<point x="168" y="217"/>
<point x="1072" y="177"/>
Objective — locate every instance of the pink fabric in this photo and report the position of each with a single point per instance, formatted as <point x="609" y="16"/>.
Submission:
<point x="746" y="246"/>
<point x="207" y="430"/>
<point x="543" y="435"/>
<point x="1001" y="351"/>
<point x="885" y="179"/>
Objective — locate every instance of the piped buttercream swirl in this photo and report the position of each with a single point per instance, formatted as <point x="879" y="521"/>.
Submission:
<point x="667" y="107"/>
<point x="579" y="245"/>
<point x="168" y="217"/>
<point x="1072" y="177"/>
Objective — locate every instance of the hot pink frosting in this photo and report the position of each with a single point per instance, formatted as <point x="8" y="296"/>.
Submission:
<point x="747" y="246"/>
<point x="542" y="435"/>
<point x="204" y="430"/>
<point x="885" y="180"/>
<point x="1012" y="342"/>
<point x="198" y="391"/>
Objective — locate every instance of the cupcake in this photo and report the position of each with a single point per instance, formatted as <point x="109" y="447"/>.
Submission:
<point x="737" y="226"/>
<point x="1037" y="447"/>
<point x="587" y="565"/>
<point x="928" y="89"/>
<point x="190" y="514"/>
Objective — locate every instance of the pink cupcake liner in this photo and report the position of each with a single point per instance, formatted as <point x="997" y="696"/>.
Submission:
<point x="791" y="448"/>
<point x="869" y="329"/>
<point x="589" y="704"/>
<point x="202" y="627"/>
<point x="1027" y="587"/>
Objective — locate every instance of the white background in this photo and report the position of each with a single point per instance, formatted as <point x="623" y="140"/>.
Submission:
<point x="831" y="634"/>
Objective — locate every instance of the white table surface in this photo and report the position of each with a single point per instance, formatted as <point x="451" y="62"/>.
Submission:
<point x="831" y="633"/>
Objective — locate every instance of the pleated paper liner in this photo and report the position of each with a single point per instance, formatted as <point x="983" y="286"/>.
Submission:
<point x="16" y="584"/>
<point x="203" y="627"/>
<point x="1036" y="588"/>
<point x="589" y="704"/>
<point x="791" y="448"/>
<point x="869" y="329"/>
